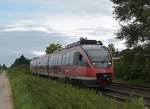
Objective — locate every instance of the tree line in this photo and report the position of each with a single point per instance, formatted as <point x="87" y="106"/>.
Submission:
<point x="3" y="67"/>
<point x="134" y="20"/>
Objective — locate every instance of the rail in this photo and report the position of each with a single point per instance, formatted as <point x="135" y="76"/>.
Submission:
<point x="128" y="92"/>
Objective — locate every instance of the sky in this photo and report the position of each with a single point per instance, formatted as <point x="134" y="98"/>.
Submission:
<point x="28" y="26"/>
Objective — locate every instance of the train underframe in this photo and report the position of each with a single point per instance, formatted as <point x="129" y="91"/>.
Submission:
<point x="100" y="81"/>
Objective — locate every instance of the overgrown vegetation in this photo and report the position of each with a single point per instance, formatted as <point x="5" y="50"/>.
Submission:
<point x="33" y="92"/>
<point x="134" y="65"/>
<point x="2" y="68"/>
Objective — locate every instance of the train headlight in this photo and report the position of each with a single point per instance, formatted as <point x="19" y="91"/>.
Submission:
<point x="109" y="64"/>
<point x="105" y="76"/>
<point x="94" y="63"/>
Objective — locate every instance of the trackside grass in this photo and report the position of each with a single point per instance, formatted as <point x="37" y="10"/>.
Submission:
<point x="33" y="92"/>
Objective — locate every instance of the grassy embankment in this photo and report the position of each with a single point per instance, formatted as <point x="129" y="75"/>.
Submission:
<point x="1" y="71"/>
<point x="33" y="92"/>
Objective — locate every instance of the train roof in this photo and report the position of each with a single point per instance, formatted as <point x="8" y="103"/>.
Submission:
<point x="83" y="41"/>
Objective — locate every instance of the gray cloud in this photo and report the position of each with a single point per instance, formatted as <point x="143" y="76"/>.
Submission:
<point x="98" y="31"/>
<point x="13" y="44"/>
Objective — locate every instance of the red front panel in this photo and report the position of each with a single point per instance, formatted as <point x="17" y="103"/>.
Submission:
<point x="93" y="71"/>
<point x="79" y="71"/>
<point x="76" y="71"/>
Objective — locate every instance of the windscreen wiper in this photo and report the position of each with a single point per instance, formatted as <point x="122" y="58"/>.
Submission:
<point x="104" y="59"/>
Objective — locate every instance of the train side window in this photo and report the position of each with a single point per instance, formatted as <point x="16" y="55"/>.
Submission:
<point x="55" y="60"/>
<point x="50" y="61"/>
<point x="79" y="59"/>
<point x="63" y="59"/>
<point x="75" y="58"/>
<point x="58" y="60"/>
<point x="66" y="59"/>
<point x="70" y="58"/>
<point x="82" y="61"/>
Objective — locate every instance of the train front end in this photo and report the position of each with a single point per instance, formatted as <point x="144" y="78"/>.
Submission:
<point x="101" y="65"/>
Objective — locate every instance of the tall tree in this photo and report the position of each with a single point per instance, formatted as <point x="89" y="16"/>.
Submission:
<point x="134" y="18"/>
<point x="4" y="67"/>
<point x="112" y="48"/>
<point x="21" y="61"/>
<point x="52" y="47"/>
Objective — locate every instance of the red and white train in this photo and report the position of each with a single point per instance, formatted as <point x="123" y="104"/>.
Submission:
<point x="85" y="61"/>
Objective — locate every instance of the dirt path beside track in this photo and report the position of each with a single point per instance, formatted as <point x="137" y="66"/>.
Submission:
<point x="5" y="92"/>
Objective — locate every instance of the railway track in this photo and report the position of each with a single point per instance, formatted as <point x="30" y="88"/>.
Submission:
<point x="127" y="92"/>
<point x="123" y="92"/>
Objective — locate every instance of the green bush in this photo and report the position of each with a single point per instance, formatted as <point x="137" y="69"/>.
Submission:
<point x="134" y="65"/>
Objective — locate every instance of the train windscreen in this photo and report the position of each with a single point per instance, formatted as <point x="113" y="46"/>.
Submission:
<point x="100" y="57"/>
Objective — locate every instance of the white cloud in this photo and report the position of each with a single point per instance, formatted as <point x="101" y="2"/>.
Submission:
<point x="38" y="53"/>
<point x="93" y="27"/>
<point x="23" y="28"/>
<point x="76" y="22"/>
<point x="66" y="24"/>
